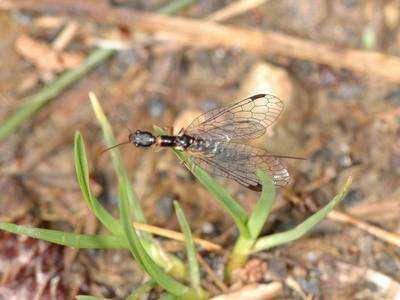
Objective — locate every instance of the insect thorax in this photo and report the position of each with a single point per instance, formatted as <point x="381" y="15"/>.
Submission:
<point x="182" y="142"/>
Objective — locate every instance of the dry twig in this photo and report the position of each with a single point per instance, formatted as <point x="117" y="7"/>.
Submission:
<point x="212" y="274"/>
<point x="384" y="235"/>
<point x="65" y="36"/>
<point x="199" y="33"/>
<point x="175" y="235"/>
<point x="233" y="9"/>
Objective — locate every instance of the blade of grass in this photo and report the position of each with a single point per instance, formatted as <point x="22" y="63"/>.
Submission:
<point x="117" y="160"/>
<point x="140" y="254"/>
<point x="93" y="241"/>
<point x="237" y="213"/>
<point x="243" y="246"/>
<point x="33" y="104"/>
<point x="276" y="239"/>
<point x="82" y="173"/>
<point x="190" y="249"/>
<point x="68" y="239"/>
<point x="261" y="212"/>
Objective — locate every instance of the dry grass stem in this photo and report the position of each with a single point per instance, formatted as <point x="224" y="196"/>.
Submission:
<point x="175" y="236"/>
<point x="198" y="33"/>
<point x="384" y="235"/>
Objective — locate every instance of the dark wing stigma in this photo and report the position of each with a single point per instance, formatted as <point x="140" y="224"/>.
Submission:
<point x="240" y="163"/>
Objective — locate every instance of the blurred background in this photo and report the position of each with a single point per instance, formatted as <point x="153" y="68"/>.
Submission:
<point x="334" y="64"/>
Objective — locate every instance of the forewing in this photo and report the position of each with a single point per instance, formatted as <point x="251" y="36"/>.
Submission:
<point x="244" y="120"/>
<point x="240" y="163"/>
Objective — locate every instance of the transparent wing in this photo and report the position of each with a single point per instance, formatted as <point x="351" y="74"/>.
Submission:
<point x="244" y="120"/>
<point x="240" y="163"/>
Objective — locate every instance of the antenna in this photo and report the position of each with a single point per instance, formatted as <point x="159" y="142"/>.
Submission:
<point x="115" y="146"/>
<point x="123" y="143"/>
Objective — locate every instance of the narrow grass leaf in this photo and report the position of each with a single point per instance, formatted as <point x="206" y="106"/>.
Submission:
<point x="33" y="104"/>
<point x="190" y="248"/>
<point x="237" y="213"/>
<point x="261" y="212"/>
<point x="276" y="239"/>
<point x="68" y="239"/>
<point x="152" y="269"/>
<point x="82" y="173"/>
<point x="244" y="244"/>
<point x="117" y="160"/>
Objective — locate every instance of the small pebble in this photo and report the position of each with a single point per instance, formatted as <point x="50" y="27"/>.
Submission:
<point x="156" y="106"/>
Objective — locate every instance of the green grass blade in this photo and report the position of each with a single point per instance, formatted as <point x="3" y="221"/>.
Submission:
<point x="155" y="272"/>
<point x="68" y="239"/>
<point x="190" y="248"/>
<point x="117" y="160"/>
<point x="276" y="239"/>
<point x="244" y="244"/>
<point x="33" y="104"/>
<point x="82" y="173"/>
<point x="261" y="212"/>
<point x="237" y="213"/>
<point x="142" y="289"/>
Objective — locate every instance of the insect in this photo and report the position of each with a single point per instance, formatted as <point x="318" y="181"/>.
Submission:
<point x="216" y="141"/>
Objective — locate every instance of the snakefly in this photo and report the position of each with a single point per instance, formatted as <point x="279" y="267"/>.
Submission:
<point x="216" y="140"/>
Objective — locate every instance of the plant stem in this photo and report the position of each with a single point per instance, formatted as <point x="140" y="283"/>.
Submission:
<point x="239" y="255"/>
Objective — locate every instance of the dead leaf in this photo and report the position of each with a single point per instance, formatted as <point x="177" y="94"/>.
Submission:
<point x="44" y="57"/>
